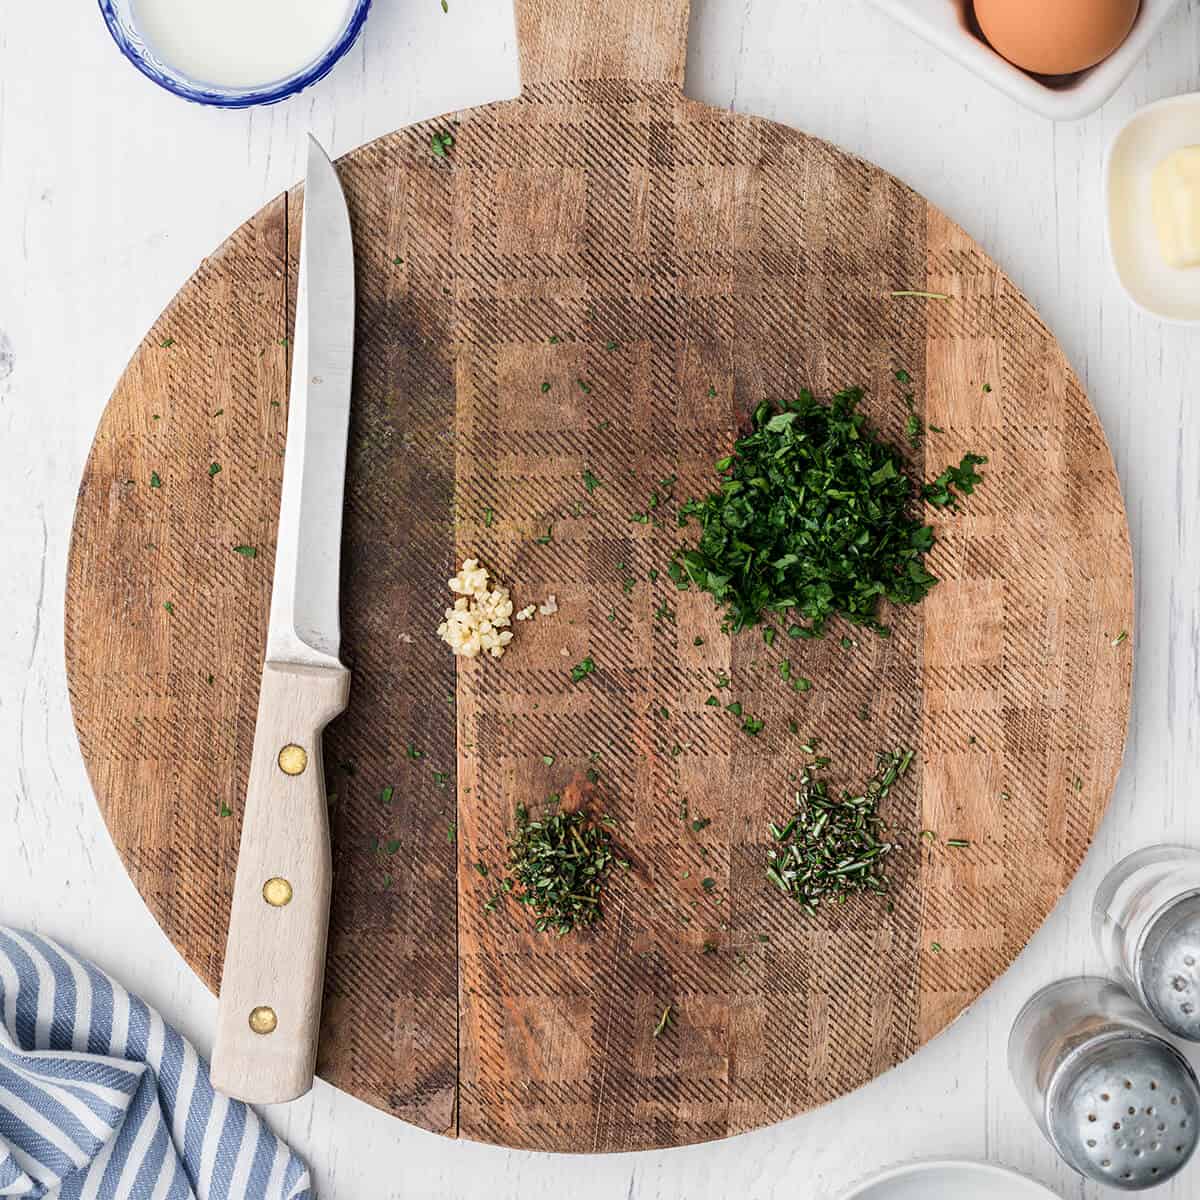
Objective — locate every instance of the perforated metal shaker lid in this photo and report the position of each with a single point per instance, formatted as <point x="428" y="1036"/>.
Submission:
<point x="1168" y="968"/>
<point x="1124" y="1109"/>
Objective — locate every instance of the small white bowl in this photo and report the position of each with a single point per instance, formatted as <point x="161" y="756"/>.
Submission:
<point x="1169" y="293"/>
<point x="944" y="24"/>
<point x="949" y="1180"/>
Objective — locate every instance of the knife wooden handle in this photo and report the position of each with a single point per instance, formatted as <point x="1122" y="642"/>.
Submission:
<point x="269" y="1011"/>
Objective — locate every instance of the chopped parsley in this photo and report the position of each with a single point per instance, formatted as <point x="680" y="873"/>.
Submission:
<point x="814" y="516"/>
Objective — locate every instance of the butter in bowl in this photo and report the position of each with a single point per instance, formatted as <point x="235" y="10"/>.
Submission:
<point x="1152" y="208"/>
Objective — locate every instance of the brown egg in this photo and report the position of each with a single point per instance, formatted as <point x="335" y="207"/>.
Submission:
<point x="1055" y="37"/>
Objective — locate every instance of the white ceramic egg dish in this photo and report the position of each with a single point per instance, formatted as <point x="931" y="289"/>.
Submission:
<point x="942" y="23"/>
<point x="1172" y="293"/>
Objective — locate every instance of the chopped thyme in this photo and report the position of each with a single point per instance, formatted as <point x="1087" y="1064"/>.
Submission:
<point x="557" y="866"/>
<point x="664" y="1022"/>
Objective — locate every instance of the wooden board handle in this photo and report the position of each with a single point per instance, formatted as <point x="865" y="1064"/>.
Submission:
<point x="269" y="1011"/>
<point x="593" y="39"/>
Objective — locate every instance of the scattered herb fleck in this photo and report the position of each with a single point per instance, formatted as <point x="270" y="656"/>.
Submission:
<point x="441" y="144"/>
<point x="155" y="480"/>
<point x="664" y="1022"/>
<point x="246" y="551"/>
<point x="582" y="669"/>
<point x="941" y="492"/>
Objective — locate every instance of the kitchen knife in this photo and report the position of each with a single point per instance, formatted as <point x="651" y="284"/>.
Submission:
<point x="269" y="1011"/>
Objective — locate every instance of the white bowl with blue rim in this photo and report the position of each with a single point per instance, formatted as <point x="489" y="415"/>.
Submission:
<point x="208" y="52"/>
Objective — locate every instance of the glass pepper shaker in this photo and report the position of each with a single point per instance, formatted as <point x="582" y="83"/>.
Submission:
<point x="1146" y="920"/>
<point x="1118" y="1102"/>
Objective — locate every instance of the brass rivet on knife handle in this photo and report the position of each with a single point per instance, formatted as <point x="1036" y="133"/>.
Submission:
<point x="277" y="891"/>
<point x="293" y="759"/>
<point x="263" y="1019"/>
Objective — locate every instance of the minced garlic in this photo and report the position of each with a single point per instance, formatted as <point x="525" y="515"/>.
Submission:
<point x="476" y="623"/>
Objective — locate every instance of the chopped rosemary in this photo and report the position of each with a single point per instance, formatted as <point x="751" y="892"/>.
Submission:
<point x="832" y="848"/>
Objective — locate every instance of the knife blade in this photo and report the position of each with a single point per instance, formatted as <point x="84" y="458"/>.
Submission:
<point x="268" y="1013"/>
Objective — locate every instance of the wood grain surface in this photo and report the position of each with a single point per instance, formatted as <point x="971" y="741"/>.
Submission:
<point x="279" y="913"/>
<point x="687" y="263"/>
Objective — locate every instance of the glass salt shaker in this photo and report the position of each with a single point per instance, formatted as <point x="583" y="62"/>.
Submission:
<point x="1118" y="1102"/>
<point x="1146" y="920"/>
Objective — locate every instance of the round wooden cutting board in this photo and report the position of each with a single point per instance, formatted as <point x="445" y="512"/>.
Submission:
<point x="662" y="267"/>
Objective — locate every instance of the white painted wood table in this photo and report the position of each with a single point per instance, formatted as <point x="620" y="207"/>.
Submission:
<point x="110" y="193"/>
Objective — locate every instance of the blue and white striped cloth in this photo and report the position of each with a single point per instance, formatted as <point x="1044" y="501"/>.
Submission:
<point x="102" y="1100"/>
